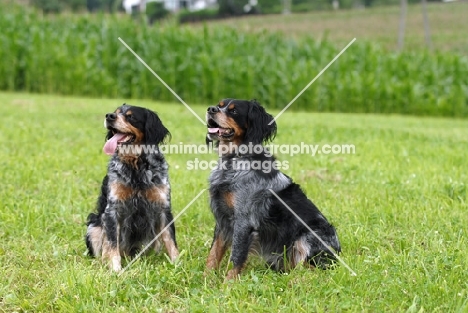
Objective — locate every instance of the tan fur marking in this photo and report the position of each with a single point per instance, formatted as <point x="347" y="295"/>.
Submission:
<point x="157" y="246"/>
<point x="299" y="252"/>
<point x="226" y="122"/>
<point x="170" y="245"/>
<point x="221" y="104"/>
<point x="157" y="194"/>
<point x="129" y="159"/>
<point x="121" y="192"/>
<point x="125" y="127"/>
<point x="96" y="237"/>
<point x="112" y="255"/>
<point x="217" y="252"/>
<point x="231" y="106"/>
<point x="229" y="199"/>
<point x="233" y="274"/>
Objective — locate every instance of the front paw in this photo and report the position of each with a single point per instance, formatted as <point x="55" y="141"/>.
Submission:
<point x="116" y="264"/>
<point x="233" y="274"/>
<point x="211" y="264"/>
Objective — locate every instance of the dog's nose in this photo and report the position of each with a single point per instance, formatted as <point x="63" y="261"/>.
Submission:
<point x="111" y="117"/>
<point x="212" y="110"/>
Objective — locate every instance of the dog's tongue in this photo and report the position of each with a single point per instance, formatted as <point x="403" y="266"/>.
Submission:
<point x="111" y="144"/>
<point x="213" y="130"/>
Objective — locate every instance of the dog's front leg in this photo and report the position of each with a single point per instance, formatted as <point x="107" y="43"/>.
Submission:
<point x="110" y="249"/>
<point x="217" y="251"/>
<point x="241" y="242"/>
<point x="169" y="239"/>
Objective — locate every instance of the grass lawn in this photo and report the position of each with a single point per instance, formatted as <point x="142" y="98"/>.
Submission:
<point x="447" y="22"/>
<point x="399" y="205"/>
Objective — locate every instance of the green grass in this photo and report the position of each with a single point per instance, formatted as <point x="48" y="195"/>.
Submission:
<point x="378" y="25"/>
<point x="399" y="205"/>
<point x="81" y="55"/>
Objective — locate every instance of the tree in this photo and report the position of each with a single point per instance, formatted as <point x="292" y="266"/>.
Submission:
<point x="110" y="6"/>
<point x="48" y="6"/>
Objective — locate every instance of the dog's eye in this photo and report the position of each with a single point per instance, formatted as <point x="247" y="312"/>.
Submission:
<point x="233" y="111"/>
<point x="129" y="116"/>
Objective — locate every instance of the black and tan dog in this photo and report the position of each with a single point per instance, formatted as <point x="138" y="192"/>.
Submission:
<point x="135" y="201"/>
<point x="249" y="217"/>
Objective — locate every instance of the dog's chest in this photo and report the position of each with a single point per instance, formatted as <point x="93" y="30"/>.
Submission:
<point x="151" y="194"/>
<point x="138" y="187"/>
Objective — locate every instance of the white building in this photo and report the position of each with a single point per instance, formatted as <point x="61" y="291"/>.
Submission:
<point x="171" y="5"/>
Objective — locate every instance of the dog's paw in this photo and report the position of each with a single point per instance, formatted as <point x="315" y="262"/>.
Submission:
<point x="116" y="264"/>
<point x="232" y="275"/>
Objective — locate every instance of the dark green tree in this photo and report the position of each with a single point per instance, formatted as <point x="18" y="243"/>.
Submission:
<point x="48" y="6"/>
<point x="110" y="6"/>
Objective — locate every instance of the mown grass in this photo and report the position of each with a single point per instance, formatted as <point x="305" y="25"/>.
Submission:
<point x="399" y="205"/>
<point x="379" y="25"/>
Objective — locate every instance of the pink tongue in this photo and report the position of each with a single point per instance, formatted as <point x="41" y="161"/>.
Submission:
<point x="111" y="144"/>
<point x="213" y="130"/>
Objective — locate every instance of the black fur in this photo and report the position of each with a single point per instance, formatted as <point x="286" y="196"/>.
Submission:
<point x="139" y="208"/>
<point x="248" y="215"/>
<point x="259" y="129"/>
<point x="155" y="132"/>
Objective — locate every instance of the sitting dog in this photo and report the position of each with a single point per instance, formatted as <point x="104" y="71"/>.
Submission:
<point x="134" y="206"/>
<point x="252" y="206"/>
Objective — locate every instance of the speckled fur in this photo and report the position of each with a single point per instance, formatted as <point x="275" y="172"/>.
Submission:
<point x="258" y="221"/>
<point x="124" y="224"/>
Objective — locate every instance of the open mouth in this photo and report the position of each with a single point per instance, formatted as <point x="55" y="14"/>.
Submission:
<point x="117" y="139"/>
<point x="215" y="129"/>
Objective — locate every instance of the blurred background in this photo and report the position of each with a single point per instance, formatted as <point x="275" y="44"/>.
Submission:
<point x="410" y="56"/>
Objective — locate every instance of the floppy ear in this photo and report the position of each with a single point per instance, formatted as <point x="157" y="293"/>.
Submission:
<point x="155" y="132"/>
<point x="258" y="128"/>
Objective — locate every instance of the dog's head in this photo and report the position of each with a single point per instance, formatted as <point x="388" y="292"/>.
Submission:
<point x="239" y="122"/>
<point x="133" y="125"/>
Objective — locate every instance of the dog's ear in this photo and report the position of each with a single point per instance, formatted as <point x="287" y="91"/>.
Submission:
<point x="155" y="131"/>
<point x="259" y="129"/>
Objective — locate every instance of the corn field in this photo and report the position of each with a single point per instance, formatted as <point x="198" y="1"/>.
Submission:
<point x="81" y="55"/>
